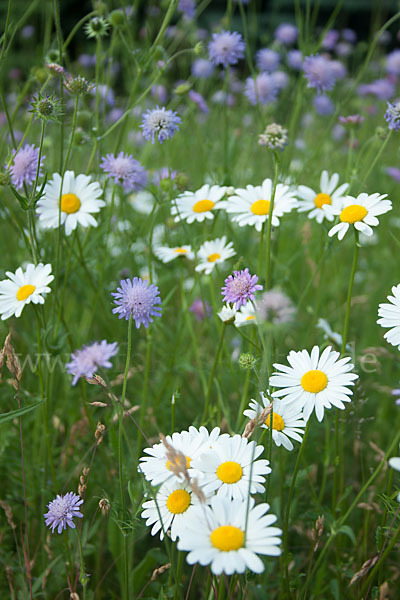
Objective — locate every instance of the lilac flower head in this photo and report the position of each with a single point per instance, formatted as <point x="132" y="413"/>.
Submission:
<point x="164" y="173"/>
<point x="200" y="309"/>
<point x="261" y="90"/>
<point x="85" y="362"/>
<point x="396" y="392"/>
<point x="24" y="167"/>
<point x="330" y="39"/>
<point x="188" y="8"/>
<point x="295" y="59"/>
<point x="339" y="70"/>
<point x="319" y="73"/>
<point x="139" y="299"/>
<point x="393" y="62"/>
<point x="125" y="170"/>
<point x="281" y="79"/>
<point x="392" y="116"/>
<point x="349" y="35"/>
<point x="323" y="105"/>
<point x="267" y="60"/>
<point x="159" y="122"/>
<point x="286" y="34"/>
<point x="240" y="287"/>
<point x="383" y="89"/>
<point x="394" y="172"/>
<point x="226" y="48"/>
<point x="351" y="119"/>
<point x="202" y="68"/>
<point x="62" y="510"/>
<point x="199" y="101"/>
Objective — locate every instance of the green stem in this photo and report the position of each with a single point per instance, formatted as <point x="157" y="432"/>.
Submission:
<point x="83" y="578"/>
<point x="269" y="225"/>
<point x="212" y="374"/>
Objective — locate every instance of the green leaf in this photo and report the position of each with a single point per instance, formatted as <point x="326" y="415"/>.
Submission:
<point x="349" y="532"/>
<point x="19" y="412"/>
<point x="24" y="202"/>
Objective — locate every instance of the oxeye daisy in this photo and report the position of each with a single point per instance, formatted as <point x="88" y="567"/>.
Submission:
<point x="287" y="420"/>
<point x="390" y="317"/>
<point x="137" y="298"/>
<point x="231" y="468"/>
<point x="167" y="254"/>
<point x="361" y="212"/>
<point x="198" y="205"/>
<point x="247" y="315"/>
<point x="228" y="535"/>
<point x="250" y="206"/>
<point x="157" y="468"/>
<point x="240" y="287"/>
<point x="227" y="314"/>
<point x="86" y="361"/>
<point x="77" y="198"/>
<point x="314" y="381"/>
<point x="23" y="287"/>
<point x="315" y="201"/>
<point x="62" y="511"/>
<point x="213" y="253"/>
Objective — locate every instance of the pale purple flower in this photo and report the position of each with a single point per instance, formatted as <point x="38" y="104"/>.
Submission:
<point x="86" y="361"/>
<point x="125" y="170"/>
<point x="339" y="70"/>
<point x="319" y="73"/>
<point x="159" y="122"/>
<point x="281" y="79"/>
<point x="394" y="172"/>
<point x="286" y="33"/>
<point x="383" y="89"/>
<point x="392" y="116"/>
<point x="202" y="68"/>
<point x="276" y="307"/>
<point x="261" y="90"/>
<point x="323" y="105"/>
<point x="349" y="35"/>
<point x="137" y="298"/>
<point x="62" y="510"/>
<point x="24" y="167"/>
<point x="330" y="39"/>
<point x="343" y="49"/>
<point x="188" y="8"/>
<point x="396" y="392"/>
<point x="226" y="48"/>
<point x="106" y="94"/>
<point x="159" y="92"/>
<point x="295" y="59"/>
<point x="267" y="60"/>
<point x="240" y="287"/>
<point x="222" y="97"/>
<point x="27" y="32"/>
<point x="393" y="62"/>
<point x="351" y="119"/>
<point x="200" y="309"/>
<point x="199" y="101"/>
<point x="164" y="173"/>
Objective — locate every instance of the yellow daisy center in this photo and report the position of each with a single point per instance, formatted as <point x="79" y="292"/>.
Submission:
<point x="70" y="203"/>
<point x="250" y="318"/>
<point x="260" y="207"/>
<point x="203" y="206"/>
<point x="353" y="213"/>
<point x="314" y="381"/>
<point x="229" y="472"/>
<point x="178" y="502"/>
<point x="25" y="291"/>
<point x="177" y="463"/>
<point x="227" y="538"/>
<point x="213" y="257"/>
<point x="180" y="251"/>
<point x="321" y="199"/>
<point x="277" y="422"/>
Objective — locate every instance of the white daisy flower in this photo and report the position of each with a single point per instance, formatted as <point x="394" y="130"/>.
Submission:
<point x="167" y="254"/>
<point x="230" y="468"/>
<point x="228" y="535"/>
<point x="313" y="381"/>
<point x="213" y="253"/>
<point x="315" y="202"/>
<point x="156" y="467"/>
<point x="21" y="288"/>
<point x="199" y="205"/>
<point x="172" y="508"/>
<point x="246" y="315"/>
<point x="360" y="212"/>
<point x="390" y="317"/>
<point x="287" y="420"/>
<point x="250" y="206"/>
<point x="79" y="199"/>
<point x="227" y="314"/>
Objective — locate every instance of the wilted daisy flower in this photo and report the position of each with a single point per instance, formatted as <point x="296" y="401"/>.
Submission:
<point x="240" y="287"/>
<point x="167" y="254"/>
<point x="274" y="137"/>
<point x="24" y="166"/>
<point x="86" y="361"/>
<point x="274" y="306"/>
<point x="315" y="201"/>
<point x="62" y="511"/>
<point x="213" y="253"/>
<point x="390" y="317"/>
<point x="287" y="420"/>
<point x="361" y="212"/>
<point x="125" y="170"/>
<point x="226" y="48"/>
<point x="247" y="315"/>
<point x="250" y="206"/>
<point x="21" y="288"/>
<point x="319" y="73"/>
<point x="392" y="116"/>
<point x="313" y="381"/>
<point x="231" y="469"/>
<point x="198" y="205"/>
<point x="227" y="314"/>
<point x="157" y="468"/>
<point x="139" y="299"/>
<point x="78" y="197"/>
<point x="161" y="123"/>
<point x="262" y="89"/>
<point x="228" y="535"/>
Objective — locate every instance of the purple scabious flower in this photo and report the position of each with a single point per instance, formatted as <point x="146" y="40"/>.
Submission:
<point x="139" y="299"/>
<point x="164" y="173"/>
<point x="159" y="122"/>
<point x="393" y="62"/>
<point x="199" y="309"/>
<point x="286" y="34"/>
<point x="267" y="60"/>
<point x="349" y="35"/>
<point x="240" y="287"/>
<point x="159" y="92"/>
<point x="24" y="167"/>
<point x="392" y="116"/>
<point x="281" y="79"/>
<point x="339" y="70"/>
<point x="383" y="89"/>
<point x="188" y="8"/>
<point x="319" y="73"/>
<point x="351" y="119"/>
<point x="199" y="101"/>
<point x="295" y="59"/>
<point x="226" y="48"/>
<point x="262" y="89"/>
<point x="85" y="362"/>
<point x="202" y="68"/>
<point x="394" y="172"/>
<point x="396" y="392"/>
<point x="125" y="170"/>
<point x="330" y="39"/>
<point x="323" y="105"/>
<point x="62" y="510"/>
